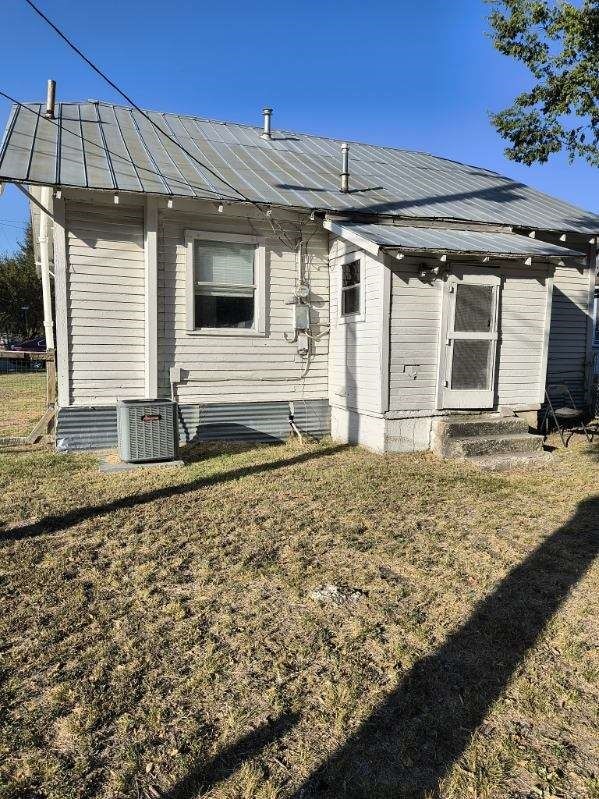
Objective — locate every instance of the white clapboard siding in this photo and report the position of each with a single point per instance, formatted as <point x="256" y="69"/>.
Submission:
<point x="242" y="368"/>
<point x="569" y="329"/>
<point x="520" y="374"/>
<point x="416" y="308"/>
<point x="414" y="340"/>
<point x="105" y="302"/>
<point x="355" y="371"/>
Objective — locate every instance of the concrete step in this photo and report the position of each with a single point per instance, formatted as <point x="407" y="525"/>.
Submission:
<point x="472" y="446"/>
<point x="511" y="460"/>
<point x="483" y="425"/>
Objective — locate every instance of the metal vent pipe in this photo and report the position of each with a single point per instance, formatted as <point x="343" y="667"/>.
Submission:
<point x="267" y="113"/>
<point x="345" y="167"/>
<point x="50" y="99"/>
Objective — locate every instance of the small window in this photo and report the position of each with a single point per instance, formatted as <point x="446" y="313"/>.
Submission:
<point x="224" y="284"/>
<point x="351" y="289"/>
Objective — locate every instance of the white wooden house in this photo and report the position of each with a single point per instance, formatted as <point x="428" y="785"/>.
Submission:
<point x="248" y="272"/>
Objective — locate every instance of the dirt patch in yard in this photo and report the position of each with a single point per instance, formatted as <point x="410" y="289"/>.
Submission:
<point x="298" y="622"/>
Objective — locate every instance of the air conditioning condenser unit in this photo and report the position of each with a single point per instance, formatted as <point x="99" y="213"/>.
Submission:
<point x="147" y="430"/>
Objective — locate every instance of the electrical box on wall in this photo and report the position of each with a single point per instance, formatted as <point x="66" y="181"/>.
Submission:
<point x="301" y="316"/>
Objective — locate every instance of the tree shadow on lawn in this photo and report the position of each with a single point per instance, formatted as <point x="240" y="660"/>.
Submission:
<point x="202" y="778"/>
<point x="409" y="743"/>
<point x="55" y="524"/>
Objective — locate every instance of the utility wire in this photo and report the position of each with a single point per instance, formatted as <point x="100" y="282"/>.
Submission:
<point x="123" y="94"/>
<point x="119" y="156"/>
<point x="111" y="83"/>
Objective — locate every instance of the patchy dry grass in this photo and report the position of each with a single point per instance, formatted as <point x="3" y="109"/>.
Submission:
<point x="160" y="638"/>
<point x="22" y="402"/>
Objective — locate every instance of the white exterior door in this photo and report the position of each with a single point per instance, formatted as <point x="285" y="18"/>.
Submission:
<point x="469" y="339"/>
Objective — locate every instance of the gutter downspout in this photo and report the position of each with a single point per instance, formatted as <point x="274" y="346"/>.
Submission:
<point x="45" y="199"/>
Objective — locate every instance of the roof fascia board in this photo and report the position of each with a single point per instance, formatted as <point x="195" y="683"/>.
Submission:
<point x="350" y="235"/>
<point x="436" y="253"/>
<point x="449" y="224"/>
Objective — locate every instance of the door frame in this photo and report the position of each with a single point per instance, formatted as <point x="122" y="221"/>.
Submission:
<point x="475" y="399"/>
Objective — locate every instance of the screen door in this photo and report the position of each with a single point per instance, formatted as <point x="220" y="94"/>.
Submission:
<point x="471" y="314"/>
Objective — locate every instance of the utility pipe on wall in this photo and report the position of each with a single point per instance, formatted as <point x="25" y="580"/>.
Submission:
<point x="45" y="200"/>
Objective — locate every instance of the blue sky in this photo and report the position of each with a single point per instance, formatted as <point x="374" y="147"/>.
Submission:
<point x="415" y="74"/>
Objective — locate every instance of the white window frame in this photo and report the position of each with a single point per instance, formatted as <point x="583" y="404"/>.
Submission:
<point x="259" y="326"/>
<point x="350" y="258"/>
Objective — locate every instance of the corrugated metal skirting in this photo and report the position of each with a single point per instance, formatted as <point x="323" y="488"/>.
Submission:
<point x="88" y="428"/>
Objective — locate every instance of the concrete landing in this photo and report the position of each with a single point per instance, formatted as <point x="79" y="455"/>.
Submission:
<point x="111" y="464"/>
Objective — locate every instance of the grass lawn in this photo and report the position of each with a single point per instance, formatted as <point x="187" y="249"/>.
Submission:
<point x="22" y="402"/>
<point x="298" y="622"/>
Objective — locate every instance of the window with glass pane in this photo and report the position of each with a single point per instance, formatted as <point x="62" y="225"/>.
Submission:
<point x="350" y="289"/>
<point x="473" y="309"/>
<point x="224" y="284"/>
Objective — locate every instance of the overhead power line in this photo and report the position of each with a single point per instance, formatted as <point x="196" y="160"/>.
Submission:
<point x="282" y="237"/>
<point x="119" y="156"/>
<point x="131" y="102"/>
<point x="170" y="138"/>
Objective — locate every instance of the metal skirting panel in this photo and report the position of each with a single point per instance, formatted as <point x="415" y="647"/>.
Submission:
<point x="251" y="421"/>
<point x="86" y="428"/>
<point x="89" y="428"/>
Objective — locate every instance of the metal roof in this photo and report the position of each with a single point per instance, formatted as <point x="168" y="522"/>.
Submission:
<point x="102" y="146"/>
<point x="422" y="239"/>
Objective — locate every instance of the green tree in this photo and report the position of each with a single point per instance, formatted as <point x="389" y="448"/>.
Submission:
<point x="559" y="43"/>
<point x="20" y="287"/>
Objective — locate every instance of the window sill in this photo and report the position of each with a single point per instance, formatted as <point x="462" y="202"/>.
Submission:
<point x="348" y="320"/>
<point x="227" y="331"/>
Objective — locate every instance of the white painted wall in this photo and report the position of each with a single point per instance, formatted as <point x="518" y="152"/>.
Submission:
<point x="105" y="307"/>
<point x="352" y="427"/>
<point x="568" y="341"/>
<point x="521" y="374"/>
<point x="241" y="368"/>
<point x="357" y="357"/>
<point x="104" y="318"/>
<point x="414" y="338"/>
<point x="416" y="309"/>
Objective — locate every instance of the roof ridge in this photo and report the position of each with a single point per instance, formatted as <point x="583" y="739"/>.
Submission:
<point x="388" y="180"/>
<point x="258" y="128"/>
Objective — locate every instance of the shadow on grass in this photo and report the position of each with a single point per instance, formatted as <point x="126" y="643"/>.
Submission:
<point x="54" y="524"/>
<point x="406" y="747"/>
<point x="198" y="452"/>
<point x="205" y="777"/>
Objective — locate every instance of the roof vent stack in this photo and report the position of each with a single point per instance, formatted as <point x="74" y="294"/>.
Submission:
<point x="50" y="99"/>
<point x="267" y="113"/>
<point x="345" y="167"/>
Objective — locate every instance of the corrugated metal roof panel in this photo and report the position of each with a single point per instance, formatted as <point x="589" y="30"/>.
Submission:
<point x="103" y="146"/>
<point x="450" y="239"/>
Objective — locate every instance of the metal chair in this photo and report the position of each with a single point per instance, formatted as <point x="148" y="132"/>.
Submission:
<point x="566" y="416"/>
